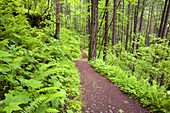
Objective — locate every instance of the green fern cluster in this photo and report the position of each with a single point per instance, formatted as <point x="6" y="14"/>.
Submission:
<point x="37" y="74"/>
<point x="154" y="96"/>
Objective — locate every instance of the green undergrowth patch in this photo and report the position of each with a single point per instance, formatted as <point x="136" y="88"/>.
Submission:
<point x="37" y="74"/>
<point x="154" y="97"/>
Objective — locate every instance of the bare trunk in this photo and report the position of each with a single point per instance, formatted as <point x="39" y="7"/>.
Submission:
<point x="162" y="19"/>
<point x="140" y="26"/>
<point x="131" y="30"/>
<point x="114" y="24"/>
<point x="150" y="26"/>
<point x="106" y="31"/>
<point x="57" y="32"/>
<point x="147" y="27"/>
<point x="135" y="25"/>
<point x="127" y="28"/>
<point x="94" y="28"/>
<point x="165" y="22"/>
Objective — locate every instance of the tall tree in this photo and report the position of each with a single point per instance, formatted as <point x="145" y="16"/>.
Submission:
<point x="58" y="10"/>
<point x="114" y="23"/>
<point x="162" y="19"/>
<point x="127" y="28"/>
<point x="150" y="26"/>
<point x="94" y="28"/>
<point x="135" y="25"/>
<point x="166" y="22"/>
<point x="141" y="21"/>
<point x="106" y="30"/>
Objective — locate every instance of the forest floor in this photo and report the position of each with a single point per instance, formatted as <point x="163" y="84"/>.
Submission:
<point x="102" y="96"/>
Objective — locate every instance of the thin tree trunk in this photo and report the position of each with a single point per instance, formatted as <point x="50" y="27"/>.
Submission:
<point x="89" y="32"/>
<point x="106" y="31"/>
<point x="140" y="26"/>
<point x="135" y="25"/>
<point x="131" y="30"/>
<point x="28" y="6"/>
<point x="127" y="28"/>
<point x="155" y="27"/>
<point x="165" y="22"/>
<point x="150" y="26"/>
<point x="147" y="27"/>
<point x="114" y="24"/>
<point x="122" y="26"/>
<point x="162" y="19"/>
<point x="57" y="32"/>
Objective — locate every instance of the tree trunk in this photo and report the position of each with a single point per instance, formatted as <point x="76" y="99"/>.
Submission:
<point x="140" y="26"/>
<point x="114" y="24"/>
<point x="28" y="6"/>
<point x="57" y="32"/>
<point x="94" y="28"/>
<point x="106" y="31"/>
<point x="135" y="25"/>
<point x="122" y="26"/>
<point x="147" y="27"/>
<point x="150" y="26"/>
<point x="165" y="22"/>
<point x="162" y="19"/>
<point x="89" y="31"/>
<point x="127" y="28"/>
<point x="131" y="30"/>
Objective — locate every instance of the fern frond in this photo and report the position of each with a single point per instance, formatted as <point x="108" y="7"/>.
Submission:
<point x="46" y="89"/>
<point x="35" y="104"/>
<point x="49" y="72"/>
<point x="51" y="110"/>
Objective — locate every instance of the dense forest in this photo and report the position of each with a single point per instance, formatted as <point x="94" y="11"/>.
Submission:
<point x="127" y="41"/>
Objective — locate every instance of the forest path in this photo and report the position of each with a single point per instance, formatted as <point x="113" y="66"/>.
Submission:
<point x="101" y="96"/>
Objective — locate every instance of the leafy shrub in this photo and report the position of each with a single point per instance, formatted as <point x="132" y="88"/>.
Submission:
<point x="154" y="97"/>
<point x="36" y="71"/>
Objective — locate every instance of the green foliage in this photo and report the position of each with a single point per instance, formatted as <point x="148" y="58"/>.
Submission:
<point x="37" y="74"/>
<point x="153" y="96"/>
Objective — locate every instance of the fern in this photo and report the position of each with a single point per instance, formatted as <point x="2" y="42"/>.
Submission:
<point x="35" y="104"/>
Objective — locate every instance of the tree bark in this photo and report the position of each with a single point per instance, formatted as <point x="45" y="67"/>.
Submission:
<point x="106" y="31"/>
<point x="140" y="26"/>
<point x="131" y="30"/>
<point x="114" y="24"/>
<point x="89" y="32"/>
<point x="162" y="19"/>
<point x="123" y="26"/>
<point x="150" y="26"/>
<point x="127" y="28"/>
<point x="165" y="22"/>
<point x="135" y="25"/>
<point x="147" y="27"/>
<point x="57" y="32"/>
<point x="94" y="28"/>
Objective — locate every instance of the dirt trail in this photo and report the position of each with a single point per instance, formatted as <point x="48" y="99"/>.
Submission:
<point x="101" y="96"/>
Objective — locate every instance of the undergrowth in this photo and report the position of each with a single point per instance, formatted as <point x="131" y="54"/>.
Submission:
<point x="37" y="74"/>
<point x="154" y="97"/>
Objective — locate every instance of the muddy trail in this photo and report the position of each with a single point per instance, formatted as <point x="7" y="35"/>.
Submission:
<point x="102" y="96"/>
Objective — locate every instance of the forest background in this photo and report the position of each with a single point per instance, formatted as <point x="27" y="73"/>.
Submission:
<point x="127" y="41"/>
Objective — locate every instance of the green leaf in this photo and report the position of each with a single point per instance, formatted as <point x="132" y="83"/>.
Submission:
<point x="51" y="110"/>
<point x="41" y="109"/>
<point x="4" y="54"/>
<point x="20" y="99"/>
<point x="33" y="83"/>
<point x="121" y="111"/>
<point x="70" y="111"/>
<point x="12" y="107"/>
<point x="16" y="35"/>
<point x="6" y="59"/>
